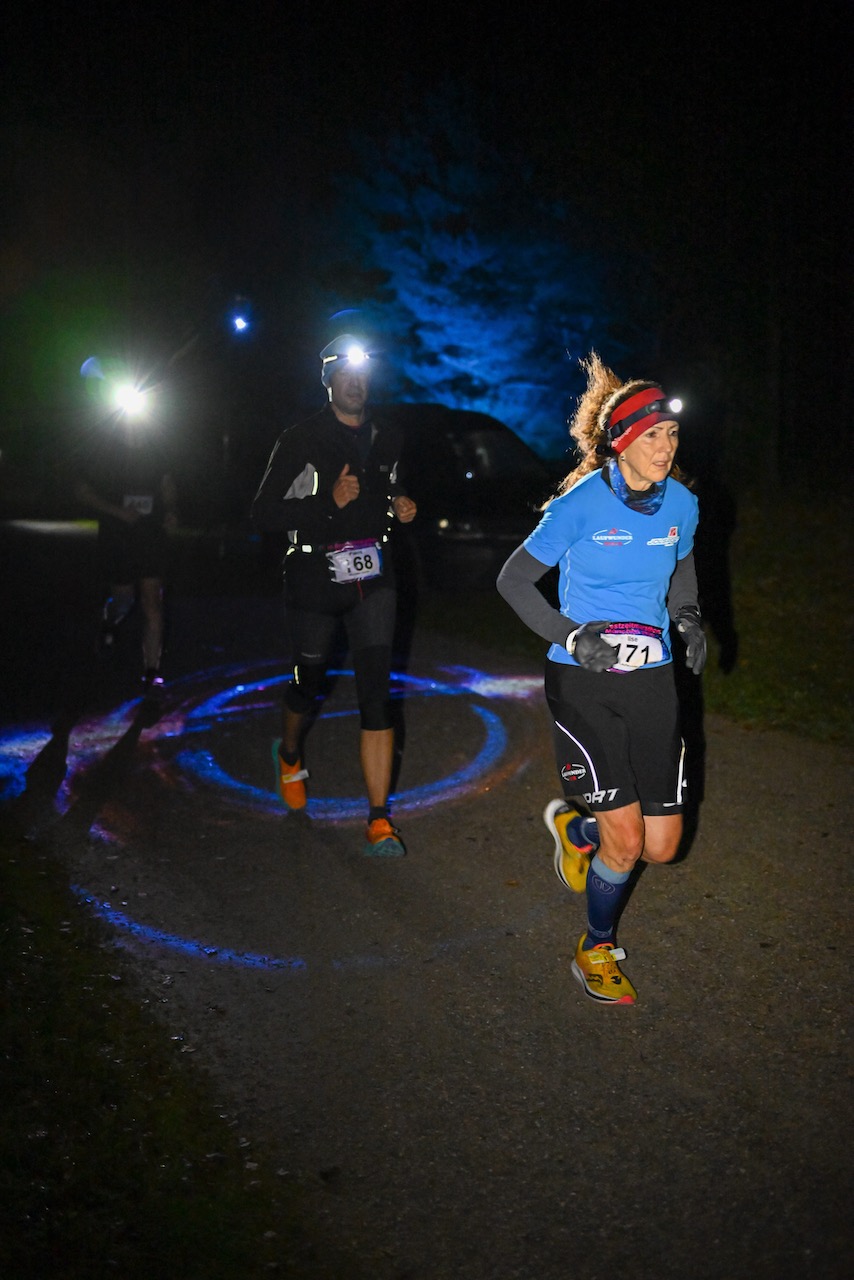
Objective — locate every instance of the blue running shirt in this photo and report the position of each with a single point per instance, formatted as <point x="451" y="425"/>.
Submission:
<point x="615" y="563"/>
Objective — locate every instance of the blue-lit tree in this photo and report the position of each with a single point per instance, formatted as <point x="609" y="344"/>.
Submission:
<point x="477" y="285"/>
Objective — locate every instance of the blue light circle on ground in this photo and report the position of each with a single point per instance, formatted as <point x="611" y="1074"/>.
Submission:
<point x="94" y="737"/>
<point x="202" y="766"/>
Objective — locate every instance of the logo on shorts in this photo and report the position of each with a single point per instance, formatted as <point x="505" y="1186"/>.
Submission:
<point x="570" y="772"/>
<point x="671" y="539"/>
<point x="612" y="537"/>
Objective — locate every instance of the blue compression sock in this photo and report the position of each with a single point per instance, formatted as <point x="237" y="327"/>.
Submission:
<point x="605" y="891"/>
<point x="583" y="832"/>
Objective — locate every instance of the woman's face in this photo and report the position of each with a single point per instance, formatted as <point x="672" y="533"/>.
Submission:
<point x="647" y="460"/>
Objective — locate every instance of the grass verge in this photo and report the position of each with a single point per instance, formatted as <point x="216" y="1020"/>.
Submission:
<point x="792" y="599"/>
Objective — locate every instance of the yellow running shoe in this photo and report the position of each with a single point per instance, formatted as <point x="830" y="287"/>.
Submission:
<point x="382" y="840"/>
<point x="571" y="861"/>
<point x="291" y="780"/>
<point x="599" y="974"/>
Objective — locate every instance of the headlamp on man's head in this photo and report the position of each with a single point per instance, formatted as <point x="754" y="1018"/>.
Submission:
<point x="345" y="351"/>
<point x="637" y="413"/>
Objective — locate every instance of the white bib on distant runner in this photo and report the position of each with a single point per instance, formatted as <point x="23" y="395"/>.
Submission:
<point x="141" y="502"/>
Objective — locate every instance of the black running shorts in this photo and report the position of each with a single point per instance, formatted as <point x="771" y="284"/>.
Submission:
<point x="127" y="553"/>
<point x="617" y="738"/>
<point x="369" y="621"/>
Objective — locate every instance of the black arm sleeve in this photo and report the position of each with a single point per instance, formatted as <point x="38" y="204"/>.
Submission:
<point x="517" y="583"/>
<point x="683" y="586"/>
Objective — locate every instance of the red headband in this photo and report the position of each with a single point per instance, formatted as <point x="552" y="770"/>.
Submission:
<point x="636" y="415"/>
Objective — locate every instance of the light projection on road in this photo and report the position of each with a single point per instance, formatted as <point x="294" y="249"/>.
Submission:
<point x="186" y="748"/>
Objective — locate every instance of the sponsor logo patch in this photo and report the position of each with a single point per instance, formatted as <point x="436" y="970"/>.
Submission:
<point x="612" y="537"/>
<point x="570" y="772"/>
<point x="671" y="539"/>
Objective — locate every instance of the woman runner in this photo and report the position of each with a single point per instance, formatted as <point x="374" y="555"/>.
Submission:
<point x="621" y="531"/>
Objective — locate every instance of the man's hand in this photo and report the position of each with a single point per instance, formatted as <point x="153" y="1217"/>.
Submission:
<point x="690" y="628"/>
<point x="589" y="649"/>
<point x="345" y="488"/>
<point x="404" y="509"/>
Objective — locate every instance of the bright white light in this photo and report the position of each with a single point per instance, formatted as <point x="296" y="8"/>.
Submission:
<point x="675" y="405"/>
<point x="239" y="323"/>
<point x="130" y="400"/>
<point x="356" y="356"/>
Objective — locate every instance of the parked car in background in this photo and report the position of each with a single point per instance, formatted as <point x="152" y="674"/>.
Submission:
<point x="478" y="487"/>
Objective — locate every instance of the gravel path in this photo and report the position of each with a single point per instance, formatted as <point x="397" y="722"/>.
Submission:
<point x="404" y="1036"/>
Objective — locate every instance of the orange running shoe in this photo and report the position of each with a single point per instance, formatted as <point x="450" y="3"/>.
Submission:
<point x="382" y="840"/>
<point x="291" y="780"/>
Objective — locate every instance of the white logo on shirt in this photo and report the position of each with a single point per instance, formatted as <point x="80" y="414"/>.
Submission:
<point x="672" y="537"/>
<point x="612" y="537"/>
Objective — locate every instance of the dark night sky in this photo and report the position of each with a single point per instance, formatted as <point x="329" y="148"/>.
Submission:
<point x="656" y="108"/>
<point x="709" y="137"/>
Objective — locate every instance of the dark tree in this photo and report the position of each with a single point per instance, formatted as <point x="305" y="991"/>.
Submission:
<point x="474" y="281"/>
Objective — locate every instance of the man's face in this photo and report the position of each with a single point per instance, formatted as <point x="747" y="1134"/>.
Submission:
<point x="349" y="387"/>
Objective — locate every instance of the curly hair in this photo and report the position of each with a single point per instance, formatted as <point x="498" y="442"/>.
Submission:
<point x="604" y="391"/>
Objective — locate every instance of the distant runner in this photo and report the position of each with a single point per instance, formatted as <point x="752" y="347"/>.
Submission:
<point x="128" y="483"/>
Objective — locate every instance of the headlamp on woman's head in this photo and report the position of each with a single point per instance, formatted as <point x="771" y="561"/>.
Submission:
<point x="636" y="414"/>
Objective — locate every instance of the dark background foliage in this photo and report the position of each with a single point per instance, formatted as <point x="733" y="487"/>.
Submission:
<point x="488" y="193"/>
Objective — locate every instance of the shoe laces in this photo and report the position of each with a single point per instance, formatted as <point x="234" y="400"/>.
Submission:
<point x="605" y="954"/>
<point x="297" y="775"/>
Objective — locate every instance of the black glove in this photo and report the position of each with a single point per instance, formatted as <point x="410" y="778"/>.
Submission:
<point x="589" y="649"/>
<point x="690" y="628"/>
